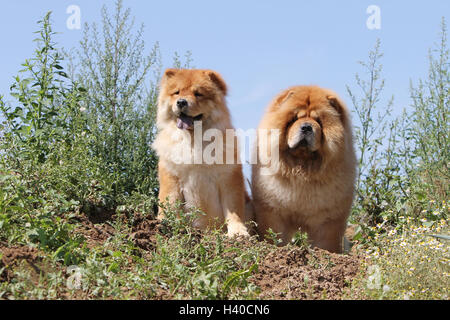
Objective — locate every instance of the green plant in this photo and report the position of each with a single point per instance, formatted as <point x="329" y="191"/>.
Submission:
<point x="430" y="130"/>
<point x="403" y="161"/>
<point x="45" y="104"/>
<point x="300" y="239"/>
<point x="273" y="237"/>
<point x="120" y="81"/>
<point x="378" y="179"/>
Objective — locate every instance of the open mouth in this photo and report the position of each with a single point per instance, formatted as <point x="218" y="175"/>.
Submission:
<point x="187" y="122"/>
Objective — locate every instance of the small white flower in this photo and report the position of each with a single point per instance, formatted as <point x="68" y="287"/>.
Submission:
<point x="392" y="232"/>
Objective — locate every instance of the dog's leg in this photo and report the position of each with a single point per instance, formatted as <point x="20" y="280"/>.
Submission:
<point x="169" y="188"/>
<point x="329" y="235"/>
<point x="232" y="194"/>
<point x="269" y="218"/>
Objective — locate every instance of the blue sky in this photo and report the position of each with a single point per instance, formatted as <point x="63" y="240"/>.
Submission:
<point x="260" y="47"/>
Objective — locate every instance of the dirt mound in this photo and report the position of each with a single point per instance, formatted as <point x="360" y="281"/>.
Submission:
<point x="11" y="255"/>
<point x="297" y="273"/>
<point x="283" y="272"/>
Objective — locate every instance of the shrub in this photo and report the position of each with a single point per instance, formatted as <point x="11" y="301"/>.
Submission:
<point x="403" y="160"/>
<point x="120" y="101"/>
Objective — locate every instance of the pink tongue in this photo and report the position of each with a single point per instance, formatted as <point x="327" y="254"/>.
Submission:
<point x="185" y="122"/>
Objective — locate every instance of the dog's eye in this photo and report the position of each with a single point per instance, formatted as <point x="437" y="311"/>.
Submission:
<point x="198" y="94"/>
<point x="292" y="121"/>
<point x="319" y="122"/>
<point x="176" y="92"/>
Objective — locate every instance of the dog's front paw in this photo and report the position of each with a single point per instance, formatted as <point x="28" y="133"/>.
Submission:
<point x="237" y="229"/>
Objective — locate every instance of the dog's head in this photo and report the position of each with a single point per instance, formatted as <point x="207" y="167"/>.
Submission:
<point x="188" y="95"/>
<point x="313" y="123"/>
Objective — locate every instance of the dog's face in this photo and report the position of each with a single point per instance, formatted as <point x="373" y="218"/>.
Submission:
<point x="312" y="121"/>
<point x="189" y="95"/>
<point x="305" y="130"/>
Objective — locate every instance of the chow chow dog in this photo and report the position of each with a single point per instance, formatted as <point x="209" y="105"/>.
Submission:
<point x="311" y="185"/>
<point x="191" y="105"/>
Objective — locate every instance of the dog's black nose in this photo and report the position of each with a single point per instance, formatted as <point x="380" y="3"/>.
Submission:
<point x="306" y="127"/>
<point x="181" y="103"/>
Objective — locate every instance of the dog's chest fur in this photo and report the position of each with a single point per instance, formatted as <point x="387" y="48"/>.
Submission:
<point x="198" y="182"/>
<point x="296" y="197"/>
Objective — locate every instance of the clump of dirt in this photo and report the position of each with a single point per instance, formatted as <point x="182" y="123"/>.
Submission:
<point x="297" y="273"/>
<point x="93" y="230"/>
<point x="11" y="255"/>
<point x="144" y="230"/>
<point x="100" y="215"/>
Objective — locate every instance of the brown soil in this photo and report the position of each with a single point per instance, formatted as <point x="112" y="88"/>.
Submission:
<point x="94" y="229"/>
<point x="13" y="255"/>
<point x="296" y="273"/>
<point x="145" y="230"/>
<point x="97" y="228"/>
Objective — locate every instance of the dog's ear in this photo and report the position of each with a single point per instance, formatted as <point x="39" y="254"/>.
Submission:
<point x="283" y="97"/>
<point x="338" y="105"/>
<point x="170" y="72"/>
<point x="335" y="103"/>
<point x="218" y="81"/>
